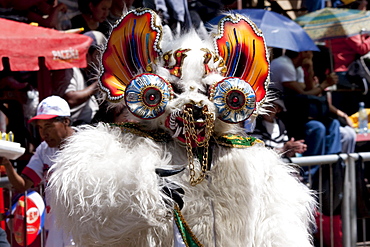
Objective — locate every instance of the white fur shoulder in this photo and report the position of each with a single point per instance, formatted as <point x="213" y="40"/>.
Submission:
<point x="106" y="183"/>
<point x="105" y="190"/>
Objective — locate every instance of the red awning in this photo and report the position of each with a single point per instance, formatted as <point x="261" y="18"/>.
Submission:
<point x="23" y="44"/>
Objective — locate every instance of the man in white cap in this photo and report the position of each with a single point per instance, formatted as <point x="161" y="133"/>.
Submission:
<point x="54" y="125"/>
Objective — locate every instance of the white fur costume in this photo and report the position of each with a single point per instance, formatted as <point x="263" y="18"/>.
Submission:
<point x="108" y="190"/>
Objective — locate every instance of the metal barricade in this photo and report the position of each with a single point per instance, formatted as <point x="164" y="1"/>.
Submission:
<point x="349" y="214"/>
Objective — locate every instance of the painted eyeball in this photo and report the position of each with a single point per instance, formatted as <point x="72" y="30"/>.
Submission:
<point x="147" y="95"/>
<point x="234" y="99"/>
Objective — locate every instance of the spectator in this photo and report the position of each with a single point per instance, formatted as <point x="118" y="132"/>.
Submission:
<point x="271" y="129"/>
<point x="350" y="4"/>
<point x="293" y="75"/>
<point x="79" y="86"/>
<point x="347" y="132"/>
<point x="72" y="11"/>
<point x="201" y="12"/>
<point x="53" y="122"/>
<point x="348" y="49"/>
<point x="313" y="5"/>
<point x="209" y="9"/>
<point x="44" y="12"/>
<point x="19" y="107"/>
<point x="118" y="8"/>
<point x="47" y="13"/>
<point x="306" y="110"/>
<point x="174" y="13"/>
<point x="345" y="51"/>
<point x="93" y="12"/>
<point x="321" y="61"/>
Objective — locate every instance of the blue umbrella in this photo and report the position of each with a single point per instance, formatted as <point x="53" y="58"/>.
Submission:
<point x="278" y="30"/>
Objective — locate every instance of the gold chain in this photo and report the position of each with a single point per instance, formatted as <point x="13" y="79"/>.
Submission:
<point x="189" y="125"/>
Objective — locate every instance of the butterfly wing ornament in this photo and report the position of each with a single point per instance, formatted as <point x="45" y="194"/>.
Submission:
<point x="132" y="48"/>
<point x="242" y="46"/>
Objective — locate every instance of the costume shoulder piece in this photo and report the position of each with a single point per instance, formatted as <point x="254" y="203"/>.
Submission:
<point x="236" y="141"/>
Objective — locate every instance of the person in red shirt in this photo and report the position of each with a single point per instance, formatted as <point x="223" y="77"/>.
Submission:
<point x="347" y="49"/>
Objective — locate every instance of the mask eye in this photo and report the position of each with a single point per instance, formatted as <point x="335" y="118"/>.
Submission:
<point x="152" y="96"/>
<point x="234" y="99"/>
<point x="147" y="95"/>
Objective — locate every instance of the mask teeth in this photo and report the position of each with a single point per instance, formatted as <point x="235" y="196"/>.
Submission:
<point x="173" y="123"/>
<point x="178" y="131"/>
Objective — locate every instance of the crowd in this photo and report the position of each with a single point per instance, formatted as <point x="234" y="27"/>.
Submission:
<point x="303" y="109"/>
<point x="290" y="127"/>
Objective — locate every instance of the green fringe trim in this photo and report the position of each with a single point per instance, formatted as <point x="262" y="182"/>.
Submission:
<point x="236" y="141"/>
<point x="187" y="235"/>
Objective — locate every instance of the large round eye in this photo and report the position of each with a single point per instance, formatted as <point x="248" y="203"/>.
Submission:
<point x="152" y="96"/>
<point x="234" y="98"/>
<point x="147" y="95"/>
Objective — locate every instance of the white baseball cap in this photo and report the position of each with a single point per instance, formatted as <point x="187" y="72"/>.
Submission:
<point x="51" y="107"/>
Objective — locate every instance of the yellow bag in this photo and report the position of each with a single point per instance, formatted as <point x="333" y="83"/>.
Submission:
<point x="347" y="1"/>
<point x="354" y="118"/>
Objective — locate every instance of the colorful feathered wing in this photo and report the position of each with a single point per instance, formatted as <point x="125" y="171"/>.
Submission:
<point x="242" y="46"/>
<point x="131" y="49"/>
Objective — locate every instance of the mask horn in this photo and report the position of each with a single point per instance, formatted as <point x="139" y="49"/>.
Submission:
<point x="242" y="46"/>
<point x="132" y="48"/>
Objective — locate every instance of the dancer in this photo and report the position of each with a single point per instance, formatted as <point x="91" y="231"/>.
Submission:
<point x="180" y="172"/>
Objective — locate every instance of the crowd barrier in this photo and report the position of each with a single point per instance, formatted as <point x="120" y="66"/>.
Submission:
<point x="349" y="201"/>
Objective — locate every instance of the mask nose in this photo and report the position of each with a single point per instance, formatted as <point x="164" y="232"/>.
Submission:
<point x="197" y="111"/>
